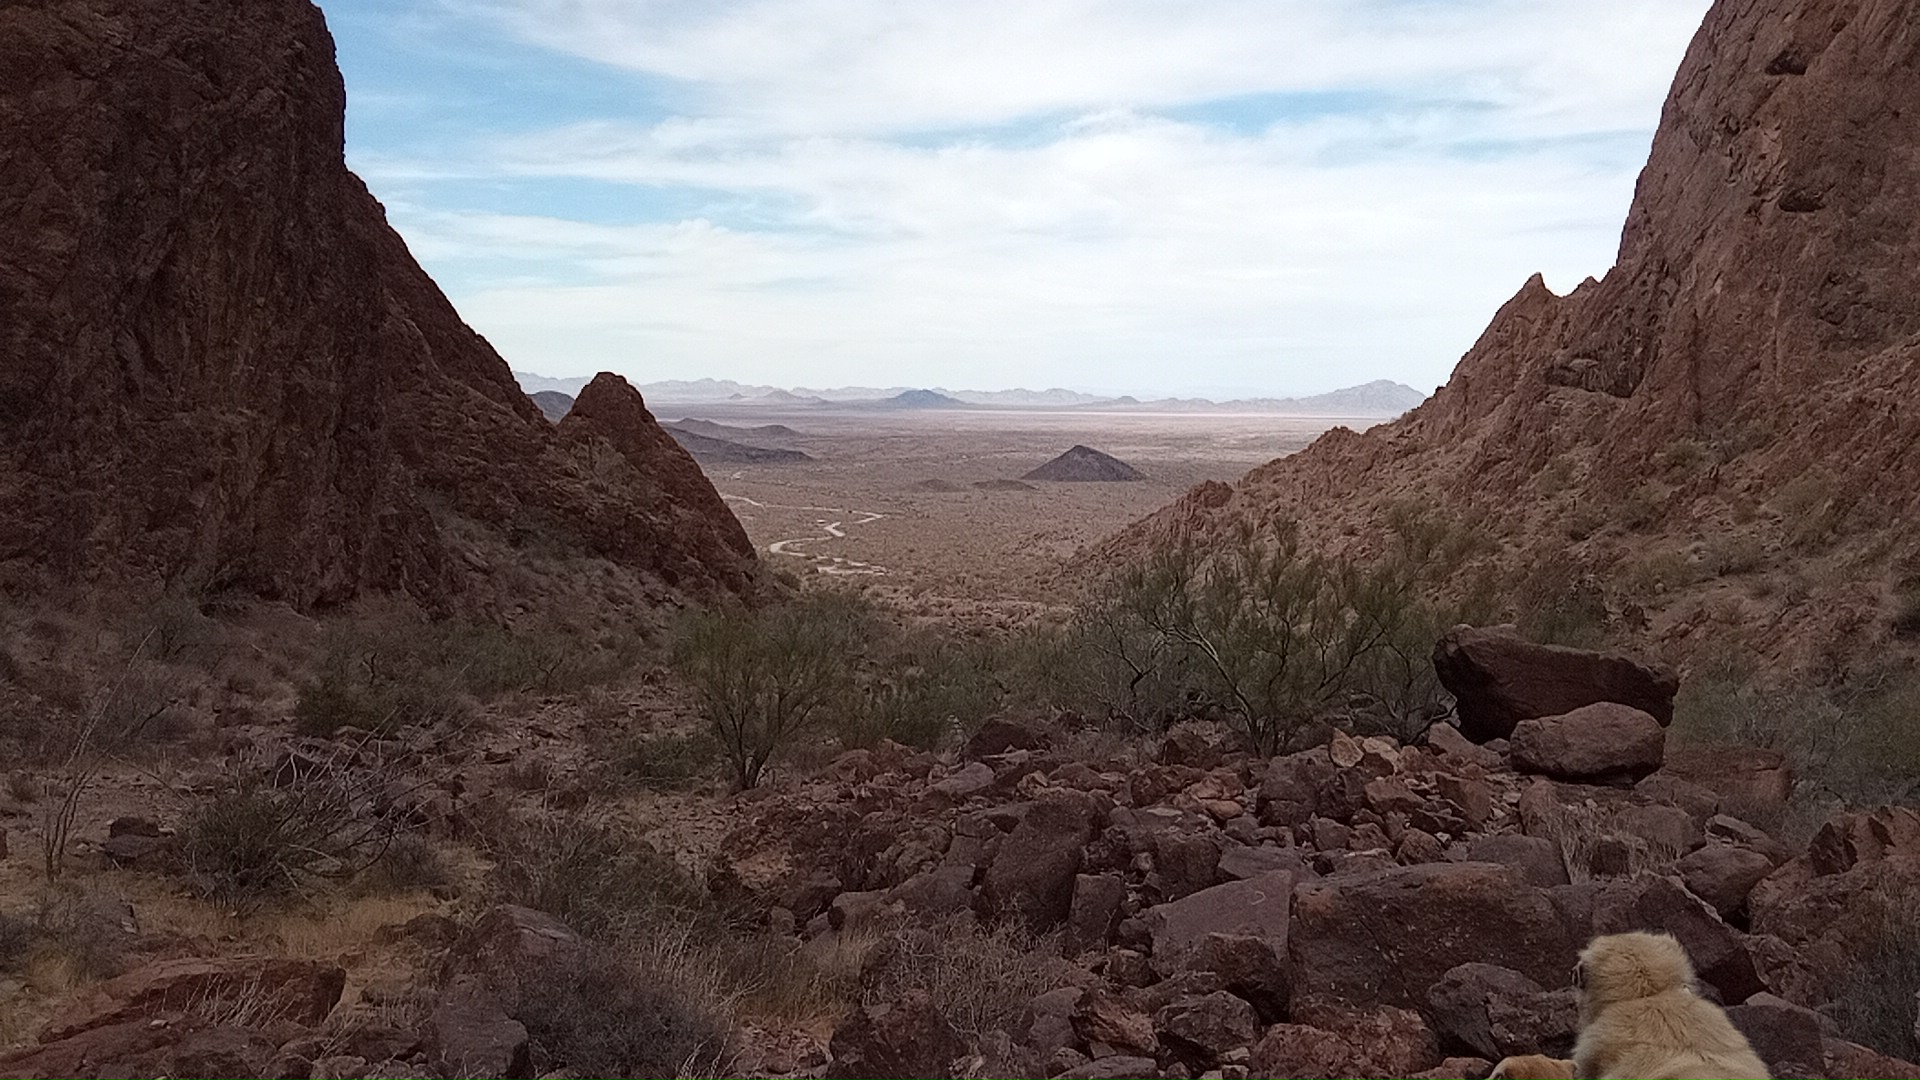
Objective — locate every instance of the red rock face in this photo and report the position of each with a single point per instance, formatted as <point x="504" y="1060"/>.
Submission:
<point x="220" y="366"/>
<point x="1764" y="310"/>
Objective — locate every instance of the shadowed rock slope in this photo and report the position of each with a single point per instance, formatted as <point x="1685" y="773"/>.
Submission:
<point x="220" y="367"/>
<point x="1738" y="394"/>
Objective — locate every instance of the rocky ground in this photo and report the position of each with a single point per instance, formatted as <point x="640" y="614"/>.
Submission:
<point x="1046" y="900"/>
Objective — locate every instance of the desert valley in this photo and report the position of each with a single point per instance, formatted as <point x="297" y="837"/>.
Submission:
<point x="371" y="709"/>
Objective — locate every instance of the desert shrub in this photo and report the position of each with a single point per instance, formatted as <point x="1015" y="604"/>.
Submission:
<point x="1660" y="572"/>
<point x="764" y="678"/>
<point x="658" y="760"/>
<point x="979" y="979"/>
<point x="386" y="669"/>
<point x="1643" y="506"/>
<point x="1736" y="553"/>
<point x="1272" y="637"/>
<point x="601" y="881"/>
<point x="255" y="842"/>
<point x="408" y="862"/>
<point x="1856" y="740"/>
<point x="1559" y="603"/>
<point x="609" y="1014"/>
<point x="1879" y="995"/>
<point x="919" y="688"/>
<point x="17" y="937"/>
<point x="82" y="930"/>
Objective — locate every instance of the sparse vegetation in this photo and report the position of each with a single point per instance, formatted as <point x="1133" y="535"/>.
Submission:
<point x="1273" y="637"/>
<point x="601" y="881"/>
<point x="1878" y="999"/>
<point x="256" y="842"/>
<point x="979" y="979"/>
<point x="919" y="687"/>
<point x="607" y="1014"/>
<point x="660" y="760"/>
<point x="1855" y="740"/>
<point x="764" y="678"/>
<point x="389" y="669"/>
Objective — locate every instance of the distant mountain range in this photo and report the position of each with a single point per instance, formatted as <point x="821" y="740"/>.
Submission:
<point x="1381" y="397"/>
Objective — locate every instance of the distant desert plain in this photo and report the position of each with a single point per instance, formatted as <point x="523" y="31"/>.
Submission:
<point x="928" y="507"/>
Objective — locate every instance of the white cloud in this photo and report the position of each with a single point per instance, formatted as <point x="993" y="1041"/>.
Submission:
<point x="1000" y="192"/>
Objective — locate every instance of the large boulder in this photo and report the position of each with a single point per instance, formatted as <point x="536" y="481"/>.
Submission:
<point x="1387" y="937"/>
<point x="905" y="1037"/>
<point x="1498" y="680"/>
<point x="1719" y="952"/>
<point x="1750" y="781"/>
<point x="1605" y="743"/>
<point x="1788" y="1037"/>
<point x="1032" y="875"/>
<point x="1495" y="1012"/>
<point x="174" y="1047"/>
<point x="296" y="991"/>
<point x="1257" y="907"/>
<point x="1723" y="875"/>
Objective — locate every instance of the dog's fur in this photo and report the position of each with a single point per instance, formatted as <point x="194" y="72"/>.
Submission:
<point x="1532" y="1067"/>
<point x="1639" y="1016"/>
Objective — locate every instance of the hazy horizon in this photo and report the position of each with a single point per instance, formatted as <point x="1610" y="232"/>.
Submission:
<point x="1220" y="198"/>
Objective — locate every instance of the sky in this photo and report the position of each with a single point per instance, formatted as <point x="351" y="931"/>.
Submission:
<point x="1223" y="197"/>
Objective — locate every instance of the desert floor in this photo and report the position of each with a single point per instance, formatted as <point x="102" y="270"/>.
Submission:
<point x="890" y="501"/>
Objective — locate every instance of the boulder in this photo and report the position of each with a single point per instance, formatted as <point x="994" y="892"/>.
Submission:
<point x="969" y="780"/>
<point x="1787" y="1037"/>
<point x="1032" y="874"/>
<point x="904" y="1037"/>
<point x="1202" y="1029"/>
<point x="1456" y="749"/>
<point x="1306" y="1053"/>
<point x="1536" y="858"/>
<point x="1600" y="743"/>
<point x="1116" y="1067"/>
<point x="1850" y="1059"/>
<point x="1386" y="937"/>
<point x="1496" y="1012"/>
<point x="1723" y="875"/>
<point x="942" y="891"/>
<point x="1498" y="680"/>
<point x="472" y="1035"/>
<point x="1102" y="1017"/>
<point x="1851" y="839"/>
<point x="1257" y="907"/>
<point x="1095" y="909"/>
<point x="1248" y="966"/>
<point x="1238" y="862"/>
<point x="1392" y="1041"/>
<point x="179" y="1047"/>
<point x="296" y="991"/>
<point x="1749" y="780"/>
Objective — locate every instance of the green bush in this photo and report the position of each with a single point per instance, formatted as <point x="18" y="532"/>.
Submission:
<point x="1273" y="637"/>
<point x="1856" y="740"/>
<point x="763" y="678"/>
<point x="920" y="688"/>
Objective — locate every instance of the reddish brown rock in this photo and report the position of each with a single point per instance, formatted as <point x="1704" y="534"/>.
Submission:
<point x="1386" y="937"/>
<point x="1536" y="858"/>
<point x="1786" y="1036"/>
<point x="1719" y="952"/>
<point x="1495" y="1012"/>
<point x="1394" y="1041"/>
<point x="1746" y="779"/>
<point x="1032" y="874"/>
<point x="223" y="367"/>
<point x="1308" y="1053"/>
<point x="1499" y="680"/>
<point x="1723" y="875"/>
<point x="1095" y="909"/>
<point x="907" y="1037"/>
<point x="1110" y="1019"/>
<point x="1598" y="744"/>
<point x="295" y="991"/>
<point x="1849" y="1059"/>
<point x="1202" y="1029"/>
<point x="1765" y="296"/>
<point x="145" y="1048"/>
<point x="1257" y="907"/>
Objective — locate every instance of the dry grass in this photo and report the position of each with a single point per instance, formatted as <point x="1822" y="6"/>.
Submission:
<point x="1579" y="831"/>
<point x="657" y="1011"/>
<point x="979" y="979"/>
<point x="1879" y="996"/>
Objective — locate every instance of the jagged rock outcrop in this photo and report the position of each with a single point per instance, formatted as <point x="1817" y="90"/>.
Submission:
<point x="1745" y="371"/>
<point x="220" y="367"/>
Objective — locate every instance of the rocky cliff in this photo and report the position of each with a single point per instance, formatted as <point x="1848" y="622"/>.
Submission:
<point x="1736" y="397"/>
<point x="220" y="367"/>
